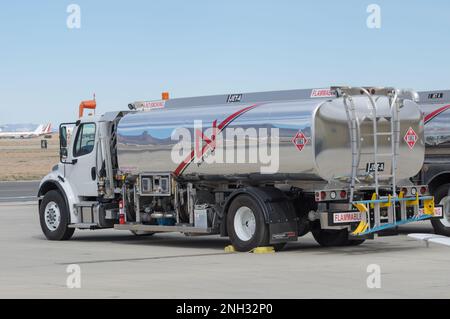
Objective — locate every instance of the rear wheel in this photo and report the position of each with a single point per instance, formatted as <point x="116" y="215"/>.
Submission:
<point x="334" y="238"/>
<point x="279" y="246"/>
<point x="246" y="225"/>
<point x="442" y="226"/>
<point x="54" y="217"/>
<point x="356" y="242"/>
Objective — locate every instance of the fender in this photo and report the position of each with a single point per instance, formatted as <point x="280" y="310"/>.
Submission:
<point x="54" y="181"/>
<point x="278" y="212"/>
<point x="435" y="174"/>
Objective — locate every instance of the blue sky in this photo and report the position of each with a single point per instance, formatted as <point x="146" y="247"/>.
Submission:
<point x="134" y="50"/>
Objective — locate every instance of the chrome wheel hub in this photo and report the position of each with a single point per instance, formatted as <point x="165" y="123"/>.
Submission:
<point x="52" y="216"/>
<point x="245" y="223"/>
<point x="445" y="202"/>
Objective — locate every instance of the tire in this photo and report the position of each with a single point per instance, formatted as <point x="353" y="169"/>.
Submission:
<point x="52" y="206"/>
<point x="356" y="242"/>
<point x="330" y="238"/>
<point x="139" y="233"/>
<point x="333" y="238"/>
<point x="246" y="232"/>
<point x="279" y="246"/>
<point x="441" y="226"/>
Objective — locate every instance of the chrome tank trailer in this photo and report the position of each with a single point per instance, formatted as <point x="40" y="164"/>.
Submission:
<point x="314" y="136"/>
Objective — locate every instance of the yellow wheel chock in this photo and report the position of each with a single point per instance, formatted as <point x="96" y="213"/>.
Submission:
<point x="257" y="250"/>
<point x="230" y="249"/>
<point x="263" y="250"/>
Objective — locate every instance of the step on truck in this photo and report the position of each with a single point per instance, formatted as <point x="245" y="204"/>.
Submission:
<point x="261" y="168"/>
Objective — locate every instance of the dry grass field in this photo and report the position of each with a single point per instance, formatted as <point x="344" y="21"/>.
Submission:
<point x="23" y="159"/>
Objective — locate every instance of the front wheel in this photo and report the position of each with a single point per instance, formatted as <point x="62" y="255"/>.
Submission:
<point x="246" y="225"/>
<point x="54" y="217"/>
<point x="442" y="226"/>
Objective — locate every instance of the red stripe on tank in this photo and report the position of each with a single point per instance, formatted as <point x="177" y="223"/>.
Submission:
<point x="183" y="165"/>
<point x="435" y="113"/>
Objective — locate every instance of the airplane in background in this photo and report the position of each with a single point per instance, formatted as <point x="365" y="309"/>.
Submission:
<point x="41" y="130"/>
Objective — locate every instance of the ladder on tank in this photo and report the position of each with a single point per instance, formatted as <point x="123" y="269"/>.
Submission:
<point x="377" y="201"/>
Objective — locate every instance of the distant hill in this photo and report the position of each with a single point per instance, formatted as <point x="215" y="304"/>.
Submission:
<point x="18" y="127"/>
<point x="21" y="127"/>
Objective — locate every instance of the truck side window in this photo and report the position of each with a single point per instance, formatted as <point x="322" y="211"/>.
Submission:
<point x="85" y="140"/>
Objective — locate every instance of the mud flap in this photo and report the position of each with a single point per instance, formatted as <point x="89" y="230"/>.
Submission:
<point x="278" y="212"/>
<point x="283" y="232"/>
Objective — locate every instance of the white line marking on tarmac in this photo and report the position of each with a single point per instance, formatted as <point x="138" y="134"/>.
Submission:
<point x="18" y="197"/>
<point x="11" y="182"/>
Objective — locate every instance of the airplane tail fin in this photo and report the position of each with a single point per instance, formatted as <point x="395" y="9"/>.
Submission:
<point x="39" y="129"/>
<point x="43" y="129"/>
<point x="48" y="129"/>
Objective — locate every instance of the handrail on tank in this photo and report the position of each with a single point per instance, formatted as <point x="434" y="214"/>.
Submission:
<point x="403" y="94"/>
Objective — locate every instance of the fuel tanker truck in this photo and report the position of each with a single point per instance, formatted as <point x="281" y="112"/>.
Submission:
<point x="436" y="170"/>
<point x="261" y="168"/>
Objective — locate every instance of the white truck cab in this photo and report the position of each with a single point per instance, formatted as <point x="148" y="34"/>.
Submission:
<point x="72" y="187"/>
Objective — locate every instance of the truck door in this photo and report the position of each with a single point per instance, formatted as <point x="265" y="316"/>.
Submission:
<point x="82" y="174"/>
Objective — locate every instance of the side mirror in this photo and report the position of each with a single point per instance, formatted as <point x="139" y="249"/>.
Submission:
<point x="63" y="152"/>
<point x="63" y="137"/>
<point x="65" y="133"/>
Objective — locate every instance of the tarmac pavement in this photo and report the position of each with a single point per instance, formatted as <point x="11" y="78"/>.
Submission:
<point x="116" y="264"/>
